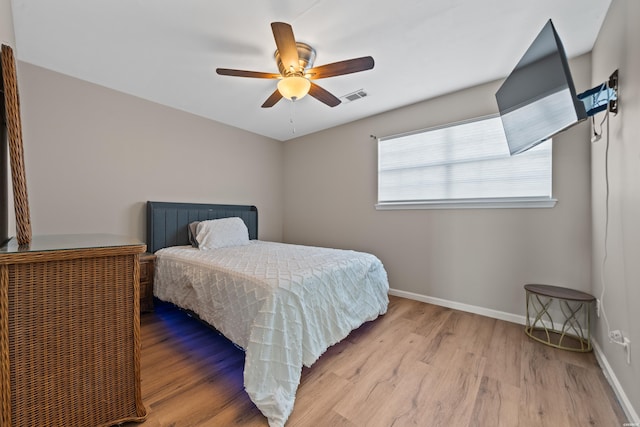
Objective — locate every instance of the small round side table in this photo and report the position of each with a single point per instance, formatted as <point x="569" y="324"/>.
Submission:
<point x="573" y="330"/>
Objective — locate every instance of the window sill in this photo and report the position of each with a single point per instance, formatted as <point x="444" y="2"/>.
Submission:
<point x="500" y="203"/>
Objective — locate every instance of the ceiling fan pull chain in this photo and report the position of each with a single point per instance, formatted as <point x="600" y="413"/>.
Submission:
<point x="293" y="115"/>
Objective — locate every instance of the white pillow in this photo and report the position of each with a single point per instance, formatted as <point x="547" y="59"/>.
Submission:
<point x="221" y="233"/>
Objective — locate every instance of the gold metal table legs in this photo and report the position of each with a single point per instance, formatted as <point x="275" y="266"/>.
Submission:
<point x="571" y="329"/>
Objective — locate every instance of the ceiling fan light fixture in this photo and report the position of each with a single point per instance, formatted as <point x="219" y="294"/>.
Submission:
<point x="294" y="87"/>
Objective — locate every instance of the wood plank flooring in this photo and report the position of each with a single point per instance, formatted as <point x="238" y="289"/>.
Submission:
<point x="418" y="365"/>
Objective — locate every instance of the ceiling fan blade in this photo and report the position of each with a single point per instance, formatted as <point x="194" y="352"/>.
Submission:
<point x="272" y="100"/>
<point x="323" y="95"/>
<point x="286" y="43"/>
<point x="342" y="67"/>
<point x="244" y="73"/>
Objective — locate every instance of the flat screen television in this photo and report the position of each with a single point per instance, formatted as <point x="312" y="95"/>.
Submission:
<point x="538" y="99"/>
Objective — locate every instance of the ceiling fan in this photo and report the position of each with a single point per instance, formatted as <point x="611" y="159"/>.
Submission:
<point x="295" y="62"/>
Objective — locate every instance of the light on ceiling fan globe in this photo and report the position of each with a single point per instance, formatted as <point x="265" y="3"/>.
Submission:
<point x="294" y="87"/>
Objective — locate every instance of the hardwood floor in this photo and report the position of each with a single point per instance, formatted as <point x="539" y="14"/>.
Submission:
<point x="418" y="365"/>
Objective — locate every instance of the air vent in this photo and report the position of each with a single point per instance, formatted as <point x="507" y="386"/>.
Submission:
<point x="354" y="96"/>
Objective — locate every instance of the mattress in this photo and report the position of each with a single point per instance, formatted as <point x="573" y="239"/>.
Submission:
<point x="284" y="304"/>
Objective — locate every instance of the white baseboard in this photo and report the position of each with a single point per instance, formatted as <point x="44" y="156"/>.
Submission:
<point x="495" y="314"/>
<point x="627" y="407"/>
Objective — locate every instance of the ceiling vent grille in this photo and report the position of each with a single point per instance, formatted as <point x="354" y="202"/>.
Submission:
<point x="354" y="96"/>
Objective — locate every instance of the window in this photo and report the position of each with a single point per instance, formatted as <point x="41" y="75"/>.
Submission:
<point x="461" y="165"/>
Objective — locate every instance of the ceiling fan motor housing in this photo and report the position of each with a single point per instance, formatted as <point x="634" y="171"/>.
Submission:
<point x="306" y="57"/>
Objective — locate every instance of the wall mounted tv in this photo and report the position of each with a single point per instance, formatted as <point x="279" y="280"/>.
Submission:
<point x="538" y="99"/>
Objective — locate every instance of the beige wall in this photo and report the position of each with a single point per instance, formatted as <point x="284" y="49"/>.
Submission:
<point x="6" y="24"/>
<point x="618" y="47"/>
<point x="480" y="257"/>
<point x="7" y="37"/>
<point x="94" y="156"/>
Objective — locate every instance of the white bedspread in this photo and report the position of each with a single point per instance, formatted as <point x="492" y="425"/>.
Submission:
<point x="284" y="304"/>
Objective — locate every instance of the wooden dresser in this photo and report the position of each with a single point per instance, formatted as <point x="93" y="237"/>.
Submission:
<point x="70" y="331"/>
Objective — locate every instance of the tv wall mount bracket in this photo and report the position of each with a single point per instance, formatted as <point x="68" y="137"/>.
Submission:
<point x="602" y="97"/>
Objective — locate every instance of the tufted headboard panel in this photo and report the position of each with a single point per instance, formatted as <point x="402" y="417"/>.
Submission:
<point x="167" y="222"/>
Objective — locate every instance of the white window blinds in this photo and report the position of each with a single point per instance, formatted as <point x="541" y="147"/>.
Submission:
<point x="464" y="163"/>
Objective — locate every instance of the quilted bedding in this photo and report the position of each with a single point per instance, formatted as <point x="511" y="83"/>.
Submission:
<point x="284" y="304"/>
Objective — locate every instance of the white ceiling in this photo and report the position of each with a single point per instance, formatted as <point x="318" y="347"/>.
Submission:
<point x="167" y="51"/>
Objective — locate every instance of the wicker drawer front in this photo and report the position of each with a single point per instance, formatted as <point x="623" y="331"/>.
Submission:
<point x="145" y="271"/>
<point x="147" y="265"/>
<point x="146" y="297"/>
<point x="71" y="342"/>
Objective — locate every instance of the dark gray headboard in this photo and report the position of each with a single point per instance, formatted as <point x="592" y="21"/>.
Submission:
<point x="167" y="222"/>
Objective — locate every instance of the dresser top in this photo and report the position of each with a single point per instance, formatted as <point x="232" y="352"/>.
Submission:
<point x="59" y="242"/>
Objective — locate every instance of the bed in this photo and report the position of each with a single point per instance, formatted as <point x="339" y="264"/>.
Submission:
<point x="283" y="304"/>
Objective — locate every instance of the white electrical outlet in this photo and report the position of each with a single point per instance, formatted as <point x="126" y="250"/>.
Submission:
<point x="616" y="337"/>
<point x="598" y="307"/>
